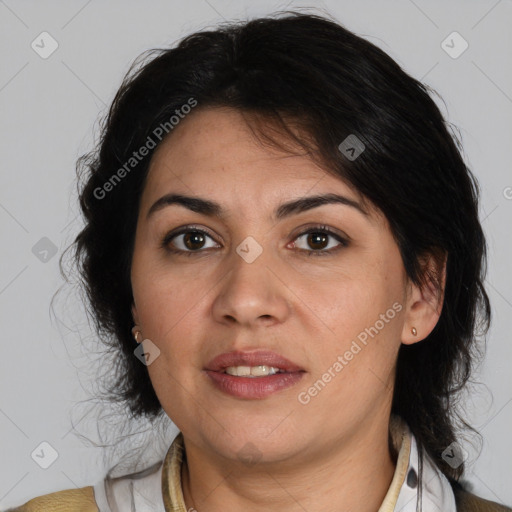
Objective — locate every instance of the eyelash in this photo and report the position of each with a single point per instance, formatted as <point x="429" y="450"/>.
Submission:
<point x="315" y="229"/>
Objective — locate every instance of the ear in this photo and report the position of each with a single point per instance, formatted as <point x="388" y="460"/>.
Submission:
<point x="425" y="300"/>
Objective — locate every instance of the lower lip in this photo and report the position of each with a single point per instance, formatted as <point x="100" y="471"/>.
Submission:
<point x="253" y="387"/>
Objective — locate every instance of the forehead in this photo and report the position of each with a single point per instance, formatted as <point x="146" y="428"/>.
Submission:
<point x="214" y="151"/>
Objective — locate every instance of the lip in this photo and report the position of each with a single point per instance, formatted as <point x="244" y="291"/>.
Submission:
<point x="253" y="388"/>
<point x="256" y="358"/>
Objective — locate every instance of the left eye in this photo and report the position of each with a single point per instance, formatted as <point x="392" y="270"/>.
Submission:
<point x="318" y="239"/>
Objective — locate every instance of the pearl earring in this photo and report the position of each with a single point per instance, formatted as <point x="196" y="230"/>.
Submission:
<point x="414" y="331"/>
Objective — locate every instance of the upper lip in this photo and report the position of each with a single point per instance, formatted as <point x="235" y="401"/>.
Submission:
<point x="257" y="358"/>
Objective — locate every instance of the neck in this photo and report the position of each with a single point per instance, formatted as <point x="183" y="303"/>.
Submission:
<point x="354" y="475"/>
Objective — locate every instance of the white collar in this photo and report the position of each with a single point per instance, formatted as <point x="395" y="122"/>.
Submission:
<point x="437" y="494"/>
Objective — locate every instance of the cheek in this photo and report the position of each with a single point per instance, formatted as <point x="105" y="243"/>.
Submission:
<point x="351" y="302"/>
<point x="165" y="295"/>
<point x="359" y="352"/>
<point x="363" y="310"/>
<point x="170" y="313"/>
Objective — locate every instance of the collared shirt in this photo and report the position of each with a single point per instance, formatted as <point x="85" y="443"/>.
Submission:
<point x="159" y="488"/>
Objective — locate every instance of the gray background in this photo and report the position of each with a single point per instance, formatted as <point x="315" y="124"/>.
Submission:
<point x="49" y="117"/>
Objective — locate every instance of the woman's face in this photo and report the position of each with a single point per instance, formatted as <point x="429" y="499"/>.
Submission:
<point x="248" y="283"/>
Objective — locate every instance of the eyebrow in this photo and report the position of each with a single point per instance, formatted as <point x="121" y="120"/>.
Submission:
<point x="213" y="209"/>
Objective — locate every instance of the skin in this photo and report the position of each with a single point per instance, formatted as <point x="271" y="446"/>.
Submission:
<point x="329" y="454"/>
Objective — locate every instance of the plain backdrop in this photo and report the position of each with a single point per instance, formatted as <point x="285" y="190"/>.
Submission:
<point x="49" y="111"/>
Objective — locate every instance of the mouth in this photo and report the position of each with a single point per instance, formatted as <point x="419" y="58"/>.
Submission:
<point x="252" y="364"/>
<point x="252" y="375"/>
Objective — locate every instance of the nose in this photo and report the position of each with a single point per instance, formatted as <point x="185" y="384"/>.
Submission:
<point x="252" y="294"/>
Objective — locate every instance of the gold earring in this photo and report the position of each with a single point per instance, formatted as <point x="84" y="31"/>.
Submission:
<point x="136" y="333"/>
<point x="414" y="331"/>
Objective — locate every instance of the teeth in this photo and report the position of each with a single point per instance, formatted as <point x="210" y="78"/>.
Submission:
<point x="252" y="371"/>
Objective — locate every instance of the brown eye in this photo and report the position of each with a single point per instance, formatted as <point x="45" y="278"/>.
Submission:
<point x="187" y="241"/>
<point x="318" y="241"/>
<point x="193" y="240"/>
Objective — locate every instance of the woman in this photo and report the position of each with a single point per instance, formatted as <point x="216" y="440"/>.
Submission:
<point x="226" y="166"/>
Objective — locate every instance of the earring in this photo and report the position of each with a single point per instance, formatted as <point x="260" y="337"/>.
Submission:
<point x="136" y="333"/>
<point x="414" y="331"/>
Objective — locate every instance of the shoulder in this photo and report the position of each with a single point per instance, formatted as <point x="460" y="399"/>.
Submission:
<point x="71" y="500"/>
<point x="469" y="502"/>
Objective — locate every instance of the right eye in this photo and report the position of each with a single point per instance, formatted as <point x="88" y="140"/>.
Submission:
<point x="187" y="240"/>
